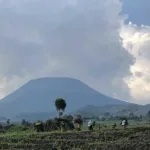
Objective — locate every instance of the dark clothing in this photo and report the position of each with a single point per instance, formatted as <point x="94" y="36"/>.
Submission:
<point x="90" y="127"/>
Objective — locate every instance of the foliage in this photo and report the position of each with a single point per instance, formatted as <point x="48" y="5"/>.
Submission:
<point x="25" y="123"/>
<point x="68" y="117"/>
<point x="148" y="114"/>
<point x="60" y="104"/>
<point x="8" y="121"/>
<point x="18" y="128"/>
<point x="54" y="125"/>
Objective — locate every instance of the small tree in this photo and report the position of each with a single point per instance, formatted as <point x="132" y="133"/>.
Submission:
<point x="60" y="105"/>
<point x="23" y="122"/>
<point x="8" y="121"/>
<point x="148" y="114"/>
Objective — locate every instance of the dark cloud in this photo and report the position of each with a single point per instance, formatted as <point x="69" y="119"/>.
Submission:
<point x="61" y="38"/>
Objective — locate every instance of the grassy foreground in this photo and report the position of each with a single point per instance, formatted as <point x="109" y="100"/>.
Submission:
<point x="133" y="138"/>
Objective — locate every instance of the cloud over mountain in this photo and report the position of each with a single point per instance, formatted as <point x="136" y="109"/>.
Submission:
<point x="78" y="39"/>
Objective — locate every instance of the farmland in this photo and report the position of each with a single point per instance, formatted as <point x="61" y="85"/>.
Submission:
<point x="131" y="138"/>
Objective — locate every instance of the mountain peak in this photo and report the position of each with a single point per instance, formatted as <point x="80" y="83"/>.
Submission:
<point x="57" y="80"/>
<point x="38" y="95"/>
<point x="53" y="78"/>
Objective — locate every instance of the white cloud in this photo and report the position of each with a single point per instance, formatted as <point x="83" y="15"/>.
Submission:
<point x="80" y="39"/>
<point x="136" y="39"/>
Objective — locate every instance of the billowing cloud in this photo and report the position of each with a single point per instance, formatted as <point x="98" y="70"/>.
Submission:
<point x="78" y="38"/>
<point x="136" y="39"/>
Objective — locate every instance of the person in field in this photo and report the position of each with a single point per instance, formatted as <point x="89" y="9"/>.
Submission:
<point x="90" y="125"/>
<point x="124" y="123"/>
<point x="39" y="127"/>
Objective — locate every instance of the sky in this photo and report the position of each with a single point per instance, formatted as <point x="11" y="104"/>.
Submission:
<point x="104" y="43"/>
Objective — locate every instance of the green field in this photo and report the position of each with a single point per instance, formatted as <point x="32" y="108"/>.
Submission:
<point x="134" y="137"/>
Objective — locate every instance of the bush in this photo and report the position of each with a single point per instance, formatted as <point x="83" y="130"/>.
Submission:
<point x="17" y="128"/>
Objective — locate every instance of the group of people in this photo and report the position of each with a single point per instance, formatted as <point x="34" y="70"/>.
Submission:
<point x="40" y="126"/>
<point x="91" y="124"/>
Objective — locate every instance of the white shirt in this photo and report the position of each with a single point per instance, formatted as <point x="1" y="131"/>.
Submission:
<point x="89" y="123"/>
<point x="123" y="122"/>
